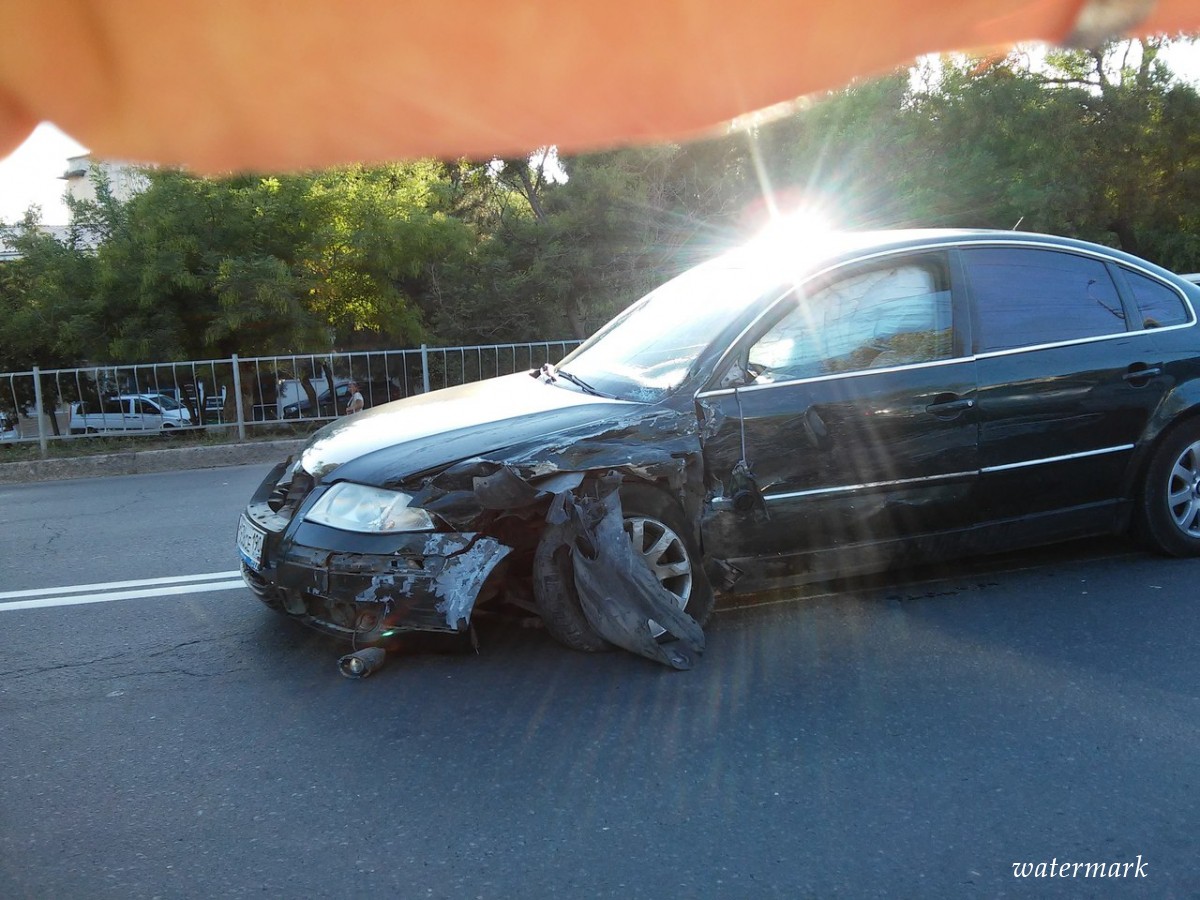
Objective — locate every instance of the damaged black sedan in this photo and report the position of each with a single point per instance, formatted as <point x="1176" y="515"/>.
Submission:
<point x="788" y="411"/>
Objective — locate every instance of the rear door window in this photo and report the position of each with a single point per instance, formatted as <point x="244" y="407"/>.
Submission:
<point x="1026" y="297"/>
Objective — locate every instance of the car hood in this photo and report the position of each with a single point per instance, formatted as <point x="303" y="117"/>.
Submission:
<point x="391" y="442"/>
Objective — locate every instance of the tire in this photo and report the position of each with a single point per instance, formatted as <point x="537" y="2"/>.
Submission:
<point x="1168" y="513"/>
<point x="657" y="525"/>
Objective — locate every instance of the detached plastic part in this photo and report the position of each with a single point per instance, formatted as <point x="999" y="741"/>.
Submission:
<point x="362" y="663"/>
<point x="618" y="593"/>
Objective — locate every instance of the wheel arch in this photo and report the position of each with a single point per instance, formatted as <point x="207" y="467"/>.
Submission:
<point x="1177" y="409"/>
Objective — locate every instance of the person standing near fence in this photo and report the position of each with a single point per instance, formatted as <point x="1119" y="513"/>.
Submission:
<point x="355" y="403"/>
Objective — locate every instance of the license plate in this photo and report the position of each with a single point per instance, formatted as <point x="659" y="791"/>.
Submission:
<point x="250" y="543"/>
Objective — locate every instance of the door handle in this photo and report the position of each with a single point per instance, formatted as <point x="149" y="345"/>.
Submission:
<point x="1140" y="372"/>
<point x="948" y="406"/>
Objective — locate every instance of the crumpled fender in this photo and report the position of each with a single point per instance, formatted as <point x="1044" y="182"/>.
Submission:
<point x="570" y="489"/>
<point x="618" y="593"/>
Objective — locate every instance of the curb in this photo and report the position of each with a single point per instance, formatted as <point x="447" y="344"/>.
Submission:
<point x="141" y="462"/>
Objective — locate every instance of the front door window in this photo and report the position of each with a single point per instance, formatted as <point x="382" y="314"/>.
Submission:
<point x="891" y="316"/>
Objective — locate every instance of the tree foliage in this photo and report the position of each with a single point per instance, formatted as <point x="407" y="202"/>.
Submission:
<point x="1103" y="145"/>
<point x="42" y="321"/>
<point x="194" y="267"/>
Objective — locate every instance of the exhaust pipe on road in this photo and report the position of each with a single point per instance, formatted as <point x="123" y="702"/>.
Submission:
<point x="362" y="663"/>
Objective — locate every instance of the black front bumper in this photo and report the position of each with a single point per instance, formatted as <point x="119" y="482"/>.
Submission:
<point x="365" y="587"/>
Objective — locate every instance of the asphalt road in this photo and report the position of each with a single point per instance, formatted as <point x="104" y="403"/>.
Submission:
<point x="914" y="736"/>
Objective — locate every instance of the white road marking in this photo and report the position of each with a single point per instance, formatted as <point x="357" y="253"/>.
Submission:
<point x="113" y="585"/>
<point x="105" y="592"/>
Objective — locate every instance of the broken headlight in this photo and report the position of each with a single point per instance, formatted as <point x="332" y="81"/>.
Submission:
<point x="356" y="507"/>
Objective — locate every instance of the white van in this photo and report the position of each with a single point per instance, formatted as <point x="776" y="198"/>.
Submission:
<point x="129" y="412"/>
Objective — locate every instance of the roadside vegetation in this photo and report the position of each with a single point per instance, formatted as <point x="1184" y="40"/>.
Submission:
<point x="1104" y="146"/>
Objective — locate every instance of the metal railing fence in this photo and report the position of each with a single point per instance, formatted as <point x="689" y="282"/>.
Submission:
<point x="241" y="394"/>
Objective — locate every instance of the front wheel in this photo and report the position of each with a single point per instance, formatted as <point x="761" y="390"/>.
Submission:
<point x="660" y="534"/>
<point x="1169" y="505"/>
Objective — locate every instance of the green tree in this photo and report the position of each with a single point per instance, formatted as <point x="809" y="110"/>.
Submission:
<point x="383" y="228"/>
<point x="1101" y="145"/>
<point x="42" y="322"/>
<point x="1095" y="144"/>
<point x="195" y="267"/>
<point x="558" y="253"/>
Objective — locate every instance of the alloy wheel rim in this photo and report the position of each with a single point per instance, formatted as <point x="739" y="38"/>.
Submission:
<point x="1183" y="491"/>
<point x="667" y="557"/>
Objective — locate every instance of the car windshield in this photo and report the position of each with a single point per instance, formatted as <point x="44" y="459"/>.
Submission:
<point x="647" y="351"/>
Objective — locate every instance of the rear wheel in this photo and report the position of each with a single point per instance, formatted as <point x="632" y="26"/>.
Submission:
<point x="1169" y="506"/>
<point x="660" y="534"/>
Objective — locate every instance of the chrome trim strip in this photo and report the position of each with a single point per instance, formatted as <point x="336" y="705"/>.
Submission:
<point x="1054" y="459"/>
<point x="849" y="488"/>
<point x="726" y="503"/>
<point x="1095" y="339"/>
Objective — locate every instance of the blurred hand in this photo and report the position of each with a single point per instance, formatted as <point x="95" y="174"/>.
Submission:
<point x="277" y="84"/>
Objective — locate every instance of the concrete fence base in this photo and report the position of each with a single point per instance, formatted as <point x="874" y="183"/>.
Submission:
<point x="138" y="462"/>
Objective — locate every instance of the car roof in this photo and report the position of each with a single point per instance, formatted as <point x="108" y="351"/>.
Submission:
<point x="814" y="250"/>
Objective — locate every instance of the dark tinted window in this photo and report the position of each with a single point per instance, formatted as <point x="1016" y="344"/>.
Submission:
<point x="1158" y="304"/>
<point x="114" y="405"/>
<point x="883" y="317"/>
<point x="1027" y="297"/>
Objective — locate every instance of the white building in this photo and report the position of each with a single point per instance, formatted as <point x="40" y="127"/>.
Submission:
<point x="124" y="179"/>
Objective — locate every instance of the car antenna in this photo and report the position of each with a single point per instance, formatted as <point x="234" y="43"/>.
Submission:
<point x="1018" y="225"/>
